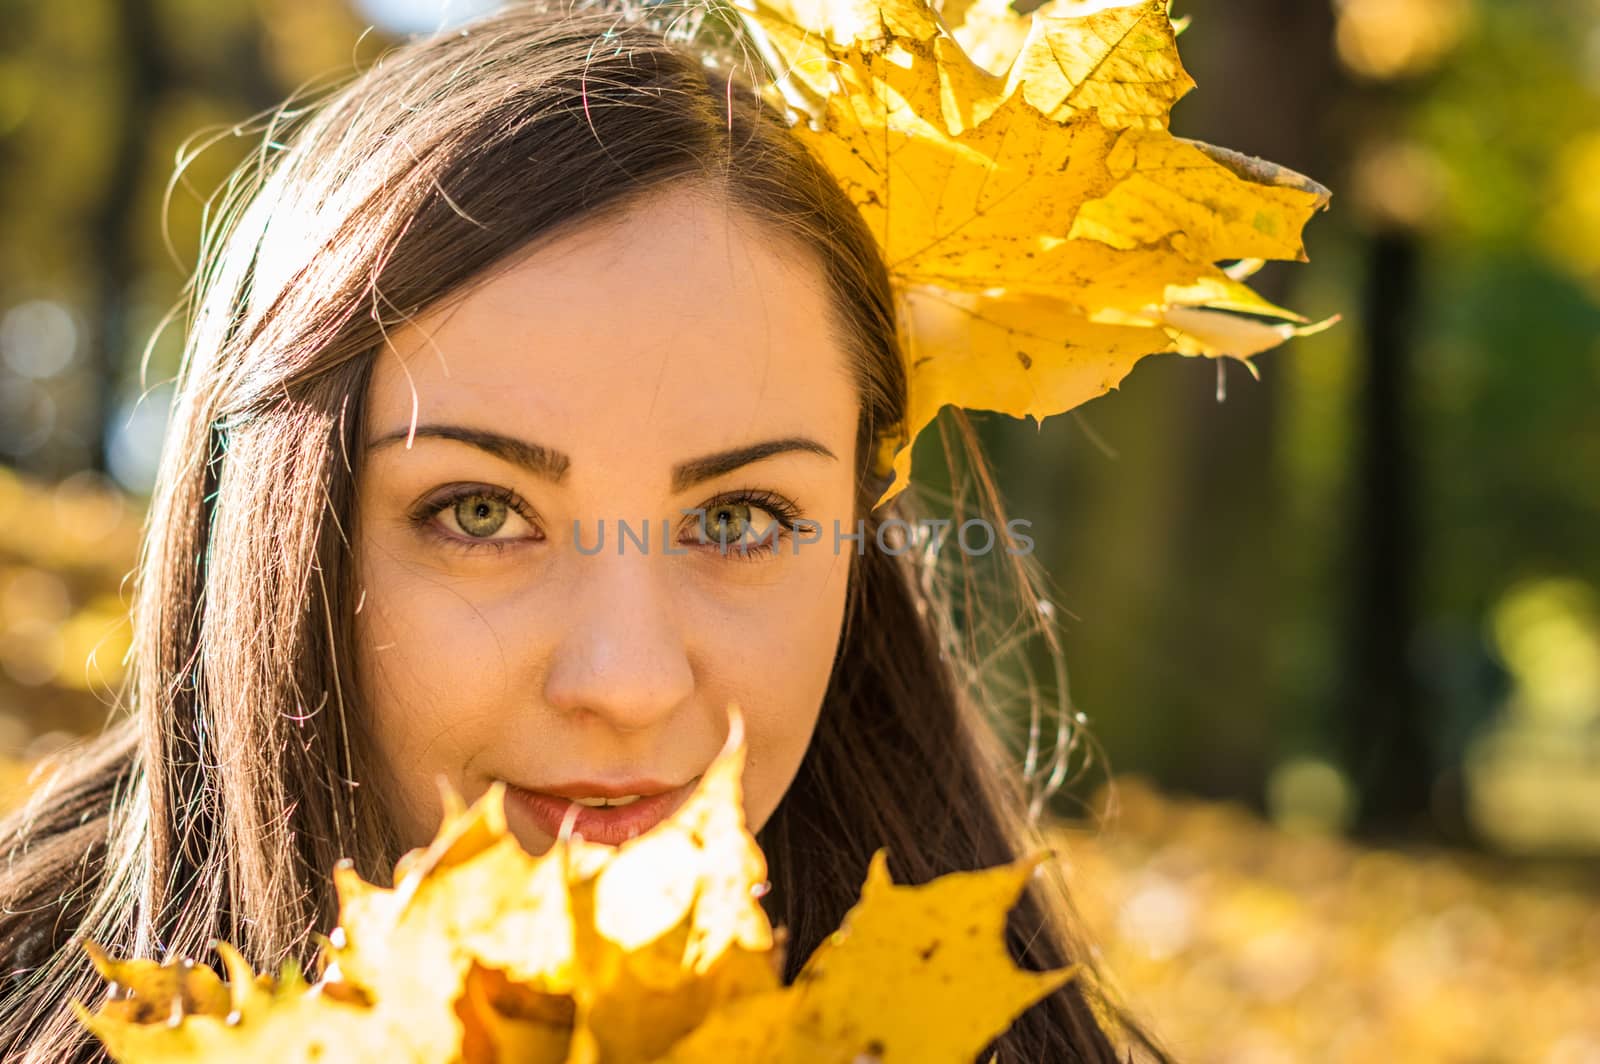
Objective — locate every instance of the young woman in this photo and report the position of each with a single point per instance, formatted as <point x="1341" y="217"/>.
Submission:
<point x="515" y="287"/>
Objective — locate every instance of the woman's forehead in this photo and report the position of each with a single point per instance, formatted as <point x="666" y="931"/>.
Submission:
<point x="679" y="320"/>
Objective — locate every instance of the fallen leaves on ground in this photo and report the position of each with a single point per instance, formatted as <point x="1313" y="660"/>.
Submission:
<point x="1236" y="940"/>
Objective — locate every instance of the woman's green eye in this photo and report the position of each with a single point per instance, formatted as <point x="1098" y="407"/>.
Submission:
<point x="480" y="515"/>
<point x="727" y="523"/>
<point x="732" y="523"/>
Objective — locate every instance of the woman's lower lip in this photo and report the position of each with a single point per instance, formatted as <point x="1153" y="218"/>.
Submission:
<point x="610" y="826"/>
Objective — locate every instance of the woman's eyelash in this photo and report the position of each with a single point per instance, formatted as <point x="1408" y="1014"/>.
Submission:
<point x="784" y="511"/>
<point x="423" y="516"/>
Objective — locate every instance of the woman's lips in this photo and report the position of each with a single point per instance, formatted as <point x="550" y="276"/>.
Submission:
<point x="611" y="826"/>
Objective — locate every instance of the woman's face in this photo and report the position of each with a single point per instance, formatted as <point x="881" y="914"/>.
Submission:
<point x="631" y="371"/>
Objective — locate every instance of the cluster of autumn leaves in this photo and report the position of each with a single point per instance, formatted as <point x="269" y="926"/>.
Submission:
<point x="1043" y="227"/>
<point x="654" y="951"/>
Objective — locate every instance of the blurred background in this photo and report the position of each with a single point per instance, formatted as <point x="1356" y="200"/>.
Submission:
<point x="1336" y="632"/>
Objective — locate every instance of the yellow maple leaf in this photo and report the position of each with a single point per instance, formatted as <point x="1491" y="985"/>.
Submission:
<point x="914" y="974"/>
<point x="656" y="950"/>
<point x="1117" y="58"/>
<point x="146" y="991"/>
<point x="282" y="1020"/>
<point x="474" y="897"/>
<point x="670" y="927"/>
<point x="1043" y="227"/>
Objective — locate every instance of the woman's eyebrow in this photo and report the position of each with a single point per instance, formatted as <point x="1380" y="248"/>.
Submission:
<point x="687" y="474"/>
<point x="545" y="462"/>
<point x="552" y="465"/>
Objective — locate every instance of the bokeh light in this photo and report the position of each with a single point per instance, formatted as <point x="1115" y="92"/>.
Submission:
<point x="423" y="16"/>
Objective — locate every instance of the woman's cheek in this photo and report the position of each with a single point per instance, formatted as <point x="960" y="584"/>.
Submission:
<point x="785" y="659"/>
<point x="422" y="674"/>
<point x="777" y="745"/>
<point x="387" y="685"/>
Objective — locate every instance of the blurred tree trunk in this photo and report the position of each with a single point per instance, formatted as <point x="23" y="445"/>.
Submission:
<point x="234" y="70"/>
<point x="1386" y="740"/>
<point x="1267" y="84"/>
<point x="113" y="228"/>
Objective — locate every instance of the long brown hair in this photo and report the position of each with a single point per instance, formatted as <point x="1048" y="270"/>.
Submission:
<point x="218" y="803"/>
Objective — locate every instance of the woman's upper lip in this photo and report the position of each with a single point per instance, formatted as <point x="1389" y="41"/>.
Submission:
<point x="596" y="789"/>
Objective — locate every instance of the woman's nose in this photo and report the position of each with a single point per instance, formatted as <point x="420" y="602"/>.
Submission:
<point x="621" y="656"/>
